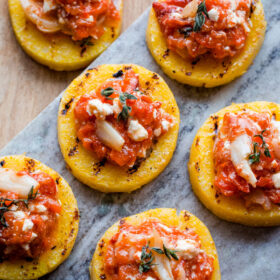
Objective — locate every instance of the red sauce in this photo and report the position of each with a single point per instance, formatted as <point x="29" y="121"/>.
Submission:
<point x="122" y="258"/>
<point x="227" y="180"/>
<point x="142" y="109"/>
<point x="215" y="38"/>
<point x="18" y="243"/>
<point x="83" y="19"/>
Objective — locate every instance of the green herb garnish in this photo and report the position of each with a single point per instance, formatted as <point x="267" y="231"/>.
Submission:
<point x="146" y="259"/>
<point x="5" y="203"/>
<point x="86" y="42"/>
<point x="200" y="17"/>
<point x="255" y="157"/>
<point x="124" y="114"/>
<point x="107" y="92"/>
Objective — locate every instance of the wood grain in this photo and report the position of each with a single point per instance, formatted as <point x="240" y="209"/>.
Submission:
<point x="27" y="87"/>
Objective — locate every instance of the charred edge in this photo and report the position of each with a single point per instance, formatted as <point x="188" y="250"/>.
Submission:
<point x="53" y="247"/>
<point x="138" y="163"/>
<point x="197" y="141"/>
<point x="113" y="32"/>
<point x="30" y="164"/>
<point x="173" y="71"/>
<point x="197" y="168"/>
<point x="122" y="222"/>
<point x="87" y="74"/>
<point x="187" y="216"/>
<point x="126" y="68"/>
<point x="57" y="180"/>
<point x="2" y="163"/>
<point x="64" y="252"/>
<point x="29" y="259"/>
<point x="215" y="120"/>
<point x="67" y="106"/>
<point x="101" y="244"/>
<point x="195" y="61"/>
<point x="147" y="83"/>
<point x="97" y="166"/>
<point x="252" y="8"/>
<point x="80" y="84"/>
<point x="155" y="76"/>
<point x="217" y="195"/>
<point x="71" y="232"/>
<point x="73" y="151"/>
<point x="94" y="68"/>
<point x="188" y="73"/>
<point x="77" y="140"/>
<point x="166" y="53"/>
<point x="102" y="276"/>
<point x="83" y="50"/>
<point x="118" y="74"/>
<point x="76" y="215"/>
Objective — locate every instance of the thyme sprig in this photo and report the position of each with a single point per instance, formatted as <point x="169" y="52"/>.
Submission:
<point x="107" y="92"/>
<point x="255" y="156"/>
<point x="147" y="257"/>
<point x="6" y="203"/>
<point x="200" y="17"/>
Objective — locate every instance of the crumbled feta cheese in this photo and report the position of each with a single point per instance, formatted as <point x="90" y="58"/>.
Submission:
<point x="155" y="113"/>
<point x="44" y="218"/>
<point x="150" y="278"/>
<point x="49" y="5"/>
<point x="33" y="236"/>
<point x="25" y="247"/>
<point x="116" y="106"/>
<point x="165" y="125"/>
<point x="90" y="19"/>
<point x="157" y="132"/>
<point x="27" y="225"/>
<point x="214" y="14"/>
<point x="276" y="180"/>
<point x="41" y="208"/>
<point x="187" y="248"/>
<point x="136" y="131"/>
<point x="14" y="207"/>
<point x="19" y="215"/>
<point x="99" y="109"/>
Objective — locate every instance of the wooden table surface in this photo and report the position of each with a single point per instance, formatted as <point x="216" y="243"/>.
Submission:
<point x="28" y="87"/>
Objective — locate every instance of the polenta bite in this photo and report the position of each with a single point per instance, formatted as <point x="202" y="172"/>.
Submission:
<point x="156" y="245"/>
<point x="39" y="218"/>
<point x="235" y="164"/>
<point x="65" y="34"/>
<point x="205" y="43"/>
<point x="117" y="127"/>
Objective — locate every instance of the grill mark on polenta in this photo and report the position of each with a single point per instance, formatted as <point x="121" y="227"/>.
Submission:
<point x="87" y="74"/>
<point x="166" y="53"/>
<point x="113" y="32"/>
<point x="97" y="166"/>
<point x="2" y="163"/>
<point x="118" y="74"/>
<point x="197" y="168"/>
<point x="30" y="164"/>
<point x="155" y="76"/>
<point x="73" y="151"/>
<point x="197" y="141"/>
<point x="67" y="106"/>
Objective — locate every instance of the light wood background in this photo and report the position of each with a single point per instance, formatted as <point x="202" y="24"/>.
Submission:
<point x="26" y="87"/>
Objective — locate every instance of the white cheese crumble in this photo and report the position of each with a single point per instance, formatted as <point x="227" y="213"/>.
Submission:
<point x="44" y="218"/>
<point x="136" y="131"/>
<point x="157" y="132"/>
<point x="19" y="215"/>
<point x="214" y="14"/>
<point x="27" y="225"/>
<point x="49" y="5"/>
<point x="25" y="247"/>
<point x="165" y="125"/>
<point x="276" y="180"/>
<point x="99" y="109"/>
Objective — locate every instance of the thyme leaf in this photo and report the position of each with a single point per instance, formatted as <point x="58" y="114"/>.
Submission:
<point x="200" y="17"/>
<point x="124" y="114"/>
<point x="6" y="203"/>
<point x="86" y="42"/>
<point x="107" y="92"/>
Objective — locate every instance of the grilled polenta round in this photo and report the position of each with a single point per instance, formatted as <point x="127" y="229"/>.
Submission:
<point x="201" y="170"/>
<point x="58" y="51"/>
<point x="84" y="165"/>
<point x="207" y="71"/>
<point x="167" y="217"/>
<point x="64" y="235"/>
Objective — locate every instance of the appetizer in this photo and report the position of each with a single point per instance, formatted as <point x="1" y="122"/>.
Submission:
<point x="117" y="127"/>
<point x="39" y="218"/>
<point x="235" y="164"/>
<point x="65" y="34"/>
<point x="205" y="42"/>
<point x="156" y="245"/>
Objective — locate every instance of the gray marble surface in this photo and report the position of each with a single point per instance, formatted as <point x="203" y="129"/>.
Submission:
<point x="245" y="253"/>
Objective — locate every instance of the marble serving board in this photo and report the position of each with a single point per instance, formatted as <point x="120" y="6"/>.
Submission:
<point x="245" y="253"/>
